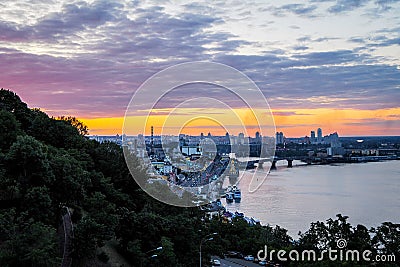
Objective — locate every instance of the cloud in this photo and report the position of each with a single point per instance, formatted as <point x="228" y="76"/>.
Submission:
<point x="87" y="59"/>
<point x="9" y="32"/>
<point x="330" y="57"/>
<point x="385" y="5"/>
<point x="378" y="40"/>
<point x="297" y="9"/>
<point x="346" y="5"/>
<point x="376" y="123"/>
<point x="58" y="25"/>
<point x="300" y="47"/>
<point x="289" y="113"/>
<point x="394" y="116"/>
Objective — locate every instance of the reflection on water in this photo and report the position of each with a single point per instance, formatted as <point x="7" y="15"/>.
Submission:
<point x="294" y="197"/>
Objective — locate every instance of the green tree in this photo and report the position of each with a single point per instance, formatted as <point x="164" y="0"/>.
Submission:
<point x="38" y="204"/>
<point x="70" y="179"/>
<point x="9" y="187"/>
<point x="58" y="133"/>
<point x="103" y="213"/>
<point x="25" y="242"/>
<point x="27" y="161"/>
<point x="9" y="129"/>
<point x="387" y="239"/>
<point x="82" y="128"/>
<point x="9" y="101"/>
<point x="167" y="256"/>
<point x="86" y="239"/>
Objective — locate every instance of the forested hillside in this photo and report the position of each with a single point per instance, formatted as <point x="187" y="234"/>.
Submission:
<point x="47" y="164"/>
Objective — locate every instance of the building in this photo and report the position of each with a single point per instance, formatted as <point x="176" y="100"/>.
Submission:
<point x="241" y="139"/>
<point x="335" y="151"/>
<point x="312" y="138"/>
<point x="191" y="150"/>
<point x="227" y="139"/>
<point x="332" y="139"/>
<point x="279" y="138"/>
<point x="319" y="135"/>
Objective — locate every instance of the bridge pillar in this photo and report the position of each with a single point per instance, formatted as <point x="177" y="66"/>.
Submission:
<point x="289" y="163"/>
<point x="273" y="166"/>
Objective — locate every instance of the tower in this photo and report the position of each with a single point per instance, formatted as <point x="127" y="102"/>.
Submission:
<point x="279" y="138"/>
<point x="319" y="135"/>
<point x="152" y="140"/>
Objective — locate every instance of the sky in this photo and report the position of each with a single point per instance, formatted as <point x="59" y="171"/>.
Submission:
<point x="324" y="64"/>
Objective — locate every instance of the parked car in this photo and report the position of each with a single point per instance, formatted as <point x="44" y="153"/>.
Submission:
<point x="216" y="262"/>
<point x="249" y="258"/>
<point x="234" y="254"/>
<point x="263" y="263"/>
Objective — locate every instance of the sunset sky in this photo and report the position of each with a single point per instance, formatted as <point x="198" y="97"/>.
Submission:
<point x="324" y="64"/>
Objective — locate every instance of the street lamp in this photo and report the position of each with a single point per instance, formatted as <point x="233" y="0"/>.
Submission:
<point x="152" y="256"/>
<point x="156" y="249"/>
<point x="204" y="240"/>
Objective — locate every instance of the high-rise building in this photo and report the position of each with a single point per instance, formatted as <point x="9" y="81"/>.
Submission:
<point x="279" y="138"/>
<point x="319" y="135"/>
<point x="312" y="137"/>
<point x="258" y="137"/>
<point x="227" y="140"/>
<point x="241" y="138"/>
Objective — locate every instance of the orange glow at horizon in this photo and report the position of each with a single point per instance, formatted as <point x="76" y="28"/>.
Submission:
<point x="292" y="122"/>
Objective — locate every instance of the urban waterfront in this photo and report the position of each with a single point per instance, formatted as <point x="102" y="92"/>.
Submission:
<point x="294" y="197"/>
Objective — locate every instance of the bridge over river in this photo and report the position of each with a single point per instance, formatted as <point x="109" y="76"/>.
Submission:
<point x="251" y="161"/>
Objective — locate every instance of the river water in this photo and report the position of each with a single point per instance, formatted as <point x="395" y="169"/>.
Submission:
<point x="369" y="193"/>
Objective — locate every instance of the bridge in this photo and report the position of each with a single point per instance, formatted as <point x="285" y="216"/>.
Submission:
<point x="252" y="160"/>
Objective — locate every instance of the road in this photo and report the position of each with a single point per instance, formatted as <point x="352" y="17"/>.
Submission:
<point x="231" y="262"/>
<point x="68" y="235"/>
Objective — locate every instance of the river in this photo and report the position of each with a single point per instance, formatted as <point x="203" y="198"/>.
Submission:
<point x="369" y="193"/>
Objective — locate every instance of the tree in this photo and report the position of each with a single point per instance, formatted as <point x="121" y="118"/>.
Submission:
<point x="27" y="162"/>
<point x="167" y="255"/>
<point x="58" y="133"/>
<point x="70" y="179"/>
<point x="104" y="214"/>
<point x="387" y="239"/>
<point x="9" y="129"/>
<point x="9" y="101"/>
<point x="9" y="187"/>
<point x="25" y="242"/>
<point x="86" y="239"/>
<point x="38" y="204"/>
<point x="82" y="128"/>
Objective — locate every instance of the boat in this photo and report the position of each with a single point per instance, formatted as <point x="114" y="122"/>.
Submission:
<point x="237" y="194"/>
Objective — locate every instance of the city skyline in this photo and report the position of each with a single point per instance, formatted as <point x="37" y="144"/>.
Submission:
<point x="225" y="134"/>
<point x="328" y="64"/>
